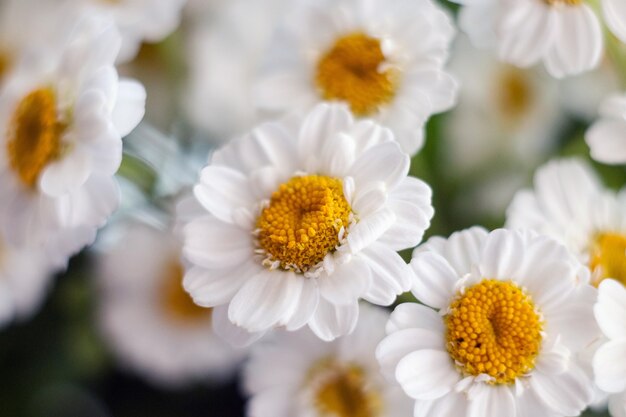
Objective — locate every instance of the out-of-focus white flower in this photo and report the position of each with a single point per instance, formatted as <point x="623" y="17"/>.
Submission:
<point x="607" y="136"/>
<point x="528" y="31"/>
<point x="138" y="20"/>
<point x="504" y="315"/>
<point x="151" y="323"/>
<point x="570" y="204"/>
<point x="296" y="374"/>
<point x="384" y="59"/>
<point x="224" y="55"/>
<point x="61" y="144"/>
<point x="301" y="222"/>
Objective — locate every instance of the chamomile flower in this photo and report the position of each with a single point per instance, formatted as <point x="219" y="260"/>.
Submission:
<point x="528" y="31"/>
<point x="302" y="221"/>
<point x="150" y="322"/>
<point x="504" y="315"/>
<point x="296" y="374"/>
<point x="570" y="204"/>
<point x="384" y="59"/>
<point x="60" y="144"/>
<point x="607" y="136"/>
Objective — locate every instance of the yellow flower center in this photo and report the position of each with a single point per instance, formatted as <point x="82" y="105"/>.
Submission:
<point x="514" y="95"/>
<point x="344" y="391"/>
<point x="608" y="257"/>
<point x="493" y="328"/>
<point x="353" y="71"/>
<point x="176" y="301"/>
<point x="564" y="2"/>
<point x="303" y="221"/>
<point x="5" y="64"/>
<point x="34" y="135"/>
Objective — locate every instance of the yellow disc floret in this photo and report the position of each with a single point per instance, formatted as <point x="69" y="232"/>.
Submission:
<point x="5" y="64"/>
<point x="177" y="303"/>
<point x="608" y="257"/>
<point x="493" y="328"/>
<point x="303" y="221"/>
<point x="342" y="390"/>
<point x="34" y="135"/>
<point x="352" y="70"/>
<point x="514" y="96"/>
<point x="564" y="2"/>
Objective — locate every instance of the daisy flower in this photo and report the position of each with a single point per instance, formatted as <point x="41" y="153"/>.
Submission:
<point x="302" y="221"/>
<point x="528" y="31"/>
<point x="384" y="59"/>
<point x="296" y="374"/>
<point x="570" y="204"/>
<point x="607" y="136"/>
<point x="504" y="315"/>
<point x="61" y="144"/>
<point x="150" y="322"/>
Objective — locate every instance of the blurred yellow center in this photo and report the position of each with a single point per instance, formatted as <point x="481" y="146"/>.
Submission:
<point x="177" y="303"/>
<point x="493" y="328"/>
<point x="514" y="94"/>
<point x="34" y="135"/>
<point x="5" y="64"/>
<point x="302" y="222"/>
<point x="343" y="391"/>
<point x="352" y="70"/>
<point x="565" y="2"/>
<point x="608" y="257"/>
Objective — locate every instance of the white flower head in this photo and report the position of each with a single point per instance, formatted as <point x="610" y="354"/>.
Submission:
<point x="301" y="222"/>
<point x="528" y="31"/>
<point x="296" y="374"/>
<point x="570" y="205"/>
<point x="607" y="136"/>
<point x="60" y="144"/>
<point x="151" y="323"/>
<point x="504" y="316"/>
<point x="384" y="59"/>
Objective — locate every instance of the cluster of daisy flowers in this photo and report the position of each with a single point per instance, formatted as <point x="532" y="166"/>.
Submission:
<point x="296" y="251"/>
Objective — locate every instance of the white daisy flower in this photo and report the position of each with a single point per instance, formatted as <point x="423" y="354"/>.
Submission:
<point x="296" y="374"/>
<point x="150" y="322"/>
<point x="570" y="204"/>
<point x="61" y="142"/>
<point x="607" y="137"/>
<point x="505" y="314"/>
<point x="384" y="59"/>
<point x="608" y="360"/>
<point x="528" y="31"/>
<point x="302" y="222"/>
<point x="138" y="20"/>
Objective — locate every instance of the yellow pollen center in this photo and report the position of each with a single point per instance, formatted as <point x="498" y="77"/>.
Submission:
<point x="343" y="391"/>
<point x="608" y="257"/>
<point x="514" y="96"/>
<point x="34" y="135"/>
<point x="176" y="301"/>
<point x="5" y="64"/>
<point x="493" y="328"/>
<point x="352" y="70"/>
<point x="564" y="2"/>
<point x="302" y="222"/>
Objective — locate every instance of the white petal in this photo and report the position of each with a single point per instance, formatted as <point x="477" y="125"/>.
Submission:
<point x="413" y="315"/>
<point x="210" y="288"/>
<point x="501" y="256"/>
<point x="614" y="12"/>
<point x="391" y="276"/>
<point x="427" y="374"/>
<point x="369" y="229"/>
<point x="567" y="394"/>
<point x="67" y="174"/>
<point x="607" y="141"/>
<point x="434" y="281"/>
<point x="610" y="310"/>
<point x="609" y="366"/>
<point x="384" y="162"/>
<point x="337" y="155"/>
<point x="223" y="190"/>
<point x="280" y="91"/>
<point x="491" y="400"/>
<point x="238" y="337"/>
<point x="370" y="198"/>
<point x="396" y="346"/>
<point x="130" y="106"/>
<point x="348" y="282"/>
<point x="306" y="306"/>
<point x="331" y="321"/>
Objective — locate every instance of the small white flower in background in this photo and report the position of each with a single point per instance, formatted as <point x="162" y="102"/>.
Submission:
<point x="138" y="20"/>
<point x="608" y="361"/>
<point x="384" y="59"/>
<point x="607" y="137"/>
<point x="570" y="204"/>
<point x="301" y="222"/>
<point x="525" y="32"/>
<point x="61" y="144"/>
<point x="504" y="315"/>
<point x="150" y="322"/>
<point x="296" y="374"/>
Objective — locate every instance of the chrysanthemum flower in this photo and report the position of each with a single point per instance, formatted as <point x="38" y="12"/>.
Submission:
<point x="505" y="314"/>
<point x="151" y="323"/>
<point x="61" y="134"/>
<point x="384" y="59"/>
<point x="296" y="374"/>
<point x="528" y="31"/>
<point x="302" y="222"/>
<point x="607" y="136"/>
<point x="570" y="204"/>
